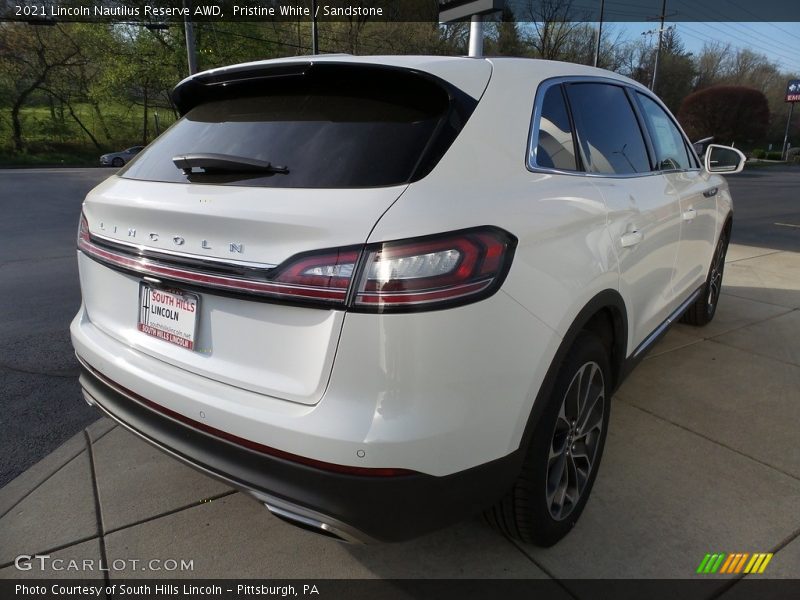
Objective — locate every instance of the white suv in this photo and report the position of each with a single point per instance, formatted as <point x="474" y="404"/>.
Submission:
<point x="383" y="294"/>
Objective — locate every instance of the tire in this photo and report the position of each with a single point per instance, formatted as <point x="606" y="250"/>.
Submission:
<point x="117" y="162"/>
<point x="705" y="307"/>
<point x="538" y="508"/>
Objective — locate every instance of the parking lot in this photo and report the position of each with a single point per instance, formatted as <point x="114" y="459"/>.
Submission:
<point x="702" y="453"/>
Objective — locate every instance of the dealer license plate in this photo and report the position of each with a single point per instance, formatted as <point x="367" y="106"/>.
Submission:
<point x="169" y="315"/>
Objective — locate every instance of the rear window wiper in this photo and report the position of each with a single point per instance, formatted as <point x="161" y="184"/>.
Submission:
<point x="224" y="163"/>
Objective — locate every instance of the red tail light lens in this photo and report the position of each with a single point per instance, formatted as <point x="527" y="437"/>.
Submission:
<point x="319" y="278"/>
<point x="409" y="275"/>
<point x="322" y="275"/>
<point x="83" y="231"/>
<point x="434" y="272"/>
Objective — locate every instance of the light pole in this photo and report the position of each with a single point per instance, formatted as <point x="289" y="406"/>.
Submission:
<point x="660" y="38"/>
<point x="785" y="149"/>
<point x="599" y="34"/>
<point x="314" y="33"/>
<point x="191" y="52"/>
<point x="476" y="35"/>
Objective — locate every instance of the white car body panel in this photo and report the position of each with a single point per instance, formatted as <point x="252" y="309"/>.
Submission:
<point x="388" y="396"/>
<point x="436" y="392"/>
<point x="276" y="350"/>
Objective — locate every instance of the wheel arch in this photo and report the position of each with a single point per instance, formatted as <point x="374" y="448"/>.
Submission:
<point x="605" y="315"/>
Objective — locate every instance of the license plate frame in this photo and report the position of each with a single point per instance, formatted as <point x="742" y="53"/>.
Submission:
<point x="168" y="314"/>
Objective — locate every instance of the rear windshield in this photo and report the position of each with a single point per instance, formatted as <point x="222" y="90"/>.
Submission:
<point x="341" y="128"/>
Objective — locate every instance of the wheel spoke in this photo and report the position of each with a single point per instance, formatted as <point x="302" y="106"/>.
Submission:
<point x="576" y="436"/>
<point x="595" y="394"/>
<point x="557" y="479"/>
<point x="718" y="266"/>
<point x="563" y="485"/>
<point x="572" y="399"/>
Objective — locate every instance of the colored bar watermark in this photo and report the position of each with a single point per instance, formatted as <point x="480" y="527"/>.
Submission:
<point x="734" y="563"/>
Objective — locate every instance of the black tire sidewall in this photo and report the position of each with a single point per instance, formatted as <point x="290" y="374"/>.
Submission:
<point x="722" y="246"/>
<point x="544" y="530"/>
<point x="117" y="162"/>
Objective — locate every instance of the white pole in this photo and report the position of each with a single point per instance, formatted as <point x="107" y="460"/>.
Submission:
<point x="785" y="149"/>
<point x="476" y="36"/>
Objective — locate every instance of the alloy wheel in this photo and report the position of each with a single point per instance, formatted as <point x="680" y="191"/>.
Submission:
<point x="715" y="279"/>
<point x="576" y="438"/>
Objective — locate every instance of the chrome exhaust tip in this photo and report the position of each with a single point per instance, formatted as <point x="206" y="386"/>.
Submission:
<point x="307" y="523"/>
<point x="310" y="520"/>
<point x="89" y="400"/>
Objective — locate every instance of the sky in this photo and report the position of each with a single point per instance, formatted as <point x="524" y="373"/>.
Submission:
<point x="769" y="27"/>
<point x="780" y="42"/>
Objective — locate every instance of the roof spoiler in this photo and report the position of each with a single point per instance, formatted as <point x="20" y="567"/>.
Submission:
<point x="204" y="87"/>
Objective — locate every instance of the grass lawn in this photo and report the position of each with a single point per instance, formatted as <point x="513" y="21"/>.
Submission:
<point x="57" y="142"/>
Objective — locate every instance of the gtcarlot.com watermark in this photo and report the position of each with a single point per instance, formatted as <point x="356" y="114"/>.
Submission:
<point x="45" y="563"/>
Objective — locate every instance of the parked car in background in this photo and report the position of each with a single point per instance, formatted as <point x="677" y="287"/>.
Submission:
<point x="118" y="159"/>
<point x="381" y="294"/>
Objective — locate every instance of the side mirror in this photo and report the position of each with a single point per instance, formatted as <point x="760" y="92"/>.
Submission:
<point x="724" y="159"/>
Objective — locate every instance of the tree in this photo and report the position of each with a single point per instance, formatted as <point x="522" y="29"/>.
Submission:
<point x="29" y="58"/>
<point x="729" y="113"/>
<point x="508" y="41"/>
<point x="712" y="64"/>
<point x="553" y="22"/>
<point x="676" y="71"/>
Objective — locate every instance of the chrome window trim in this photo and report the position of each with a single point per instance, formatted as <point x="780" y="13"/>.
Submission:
<point x="533" y="131"/>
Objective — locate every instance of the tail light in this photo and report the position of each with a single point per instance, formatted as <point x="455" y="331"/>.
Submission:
<point x="400" y="276"/>
<point x="433" y="272"/>
<point x="83" y="231"/>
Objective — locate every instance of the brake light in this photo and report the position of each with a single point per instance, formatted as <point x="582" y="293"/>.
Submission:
<point x="399" y="276"/>
<point x="434" y="272"/>
<point x="83" y="231"/>
<point x="329" y="269"/>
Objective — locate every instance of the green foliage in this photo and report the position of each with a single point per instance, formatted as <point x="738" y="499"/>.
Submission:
<point x="98" y="86"/>
<point x="774" y="156"/>
<point x="759" y="153"/>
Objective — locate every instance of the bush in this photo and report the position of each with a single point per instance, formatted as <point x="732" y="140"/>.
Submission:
<point x="792" y="153"/>
<point x="729" y="113"/>
<point x="774" y="156"/>
<point x="759" y="153"/>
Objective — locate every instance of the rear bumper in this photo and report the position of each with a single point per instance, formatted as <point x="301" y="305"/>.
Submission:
<point x="349" y="507"/>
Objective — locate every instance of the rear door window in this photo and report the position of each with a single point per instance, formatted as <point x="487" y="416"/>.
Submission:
<point x="335" y="130"/>
<point x="609" y="135"/>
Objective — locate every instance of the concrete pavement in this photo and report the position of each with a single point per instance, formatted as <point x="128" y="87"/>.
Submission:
<point x="702" y="456"/>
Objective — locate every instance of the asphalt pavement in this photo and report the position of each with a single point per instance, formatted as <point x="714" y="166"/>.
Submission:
<point x="40" y="405"/>
<point x="766" y="207"/>
<point x="701" y="459"/>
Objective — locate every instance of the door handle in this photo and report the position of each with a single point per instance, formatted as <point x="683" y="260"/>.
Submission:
<point x="689" y="214"/>
<point x="711" y="192"/>
<point x="631" y="238"/>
